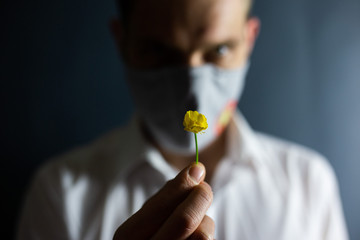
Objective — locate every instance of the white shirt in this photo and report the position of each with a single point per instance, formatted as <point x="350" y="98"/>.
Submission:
<point x="264" y="189"/>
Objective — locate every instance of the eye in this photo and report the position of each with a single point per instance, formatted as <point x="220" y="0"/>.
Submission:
<point x="218" y="53"/>
<point x="222" y="50"/>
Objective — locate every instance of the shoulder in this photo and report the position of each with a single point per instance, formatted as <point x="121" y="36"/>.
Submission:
<point x="98" y="161"/>
<point x="75" y="183"/>
<point x="288" y="152"/>
<point x="298" y="165"/>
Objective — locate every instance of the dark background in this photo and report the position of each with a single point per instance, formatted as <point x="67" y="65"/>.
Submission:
<point x="61" y="86"/>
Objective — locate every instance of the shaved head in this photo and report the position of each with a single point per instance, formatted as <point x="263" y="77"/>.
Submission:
<point x="125" y="8"/>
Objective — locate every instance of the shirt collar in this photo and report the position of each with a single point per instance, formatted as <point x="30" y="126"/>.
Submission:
<point x="242" y="148"/>
<point x="242" y="143"/>
<point x="140" y="152"/>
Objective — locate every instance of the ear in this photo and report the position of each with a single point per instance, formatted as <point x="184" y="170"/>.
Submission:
<point x="116" y="29"/>
<point x="253" y="30"/>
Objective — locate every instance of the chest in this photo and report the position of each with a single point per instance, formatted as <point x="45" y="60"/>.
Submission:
<point x="260" y="209"/>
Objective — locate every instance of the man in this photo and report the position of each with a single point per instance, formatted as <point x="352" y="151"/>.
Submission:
<point x="185" y="55"/>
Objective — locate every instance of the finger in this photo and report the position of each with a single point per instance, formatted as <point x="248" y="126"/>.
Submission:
<point x="205" y="231"/>
<point x="188" y="215"/>
<point x="159" y="207"/>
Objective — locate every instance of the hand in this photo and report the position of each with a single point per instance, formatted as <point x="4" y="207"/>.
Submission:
<point x="177" y="211"/>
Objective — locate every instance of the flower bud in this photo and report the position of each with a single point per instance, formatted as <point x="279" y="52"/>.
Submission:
<point x="194" y="122"/>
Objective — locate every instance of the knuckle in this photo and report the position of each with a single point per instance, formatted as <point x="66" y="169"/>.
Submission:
<point x="170" y="187"/>
<point x="178" y="184"/>
<point x="182" y="183"/>
<point x="187" y="223"/>
<point x="185" y="183"/>
<point x="205" y="193"/>
<point x="169" y="183"/>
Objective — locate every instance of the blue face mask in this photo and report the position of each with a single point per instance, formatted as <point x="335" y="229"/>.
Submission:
<point x="162" y="98"/>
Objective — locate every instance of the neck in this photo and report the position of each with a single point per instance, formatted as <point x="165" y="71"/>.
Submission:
<point x="210" y="156"/>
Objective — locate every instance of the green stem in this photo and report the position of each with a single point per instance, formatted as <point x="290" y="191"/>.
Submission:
<point x="197" y="153"/>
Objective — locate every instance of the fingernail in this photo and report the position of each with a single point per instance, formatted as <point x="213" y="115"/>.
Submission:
<point x="196" y="172"/>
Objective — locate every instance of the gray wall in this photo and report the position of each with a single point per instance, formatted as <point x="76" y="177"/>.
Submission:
<point x="304" y="85"/>
<point x="61" y="85"/>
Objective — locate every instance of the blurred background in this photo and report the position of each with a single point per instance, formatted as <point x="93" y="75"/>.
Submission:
<point x="61" y="86"/>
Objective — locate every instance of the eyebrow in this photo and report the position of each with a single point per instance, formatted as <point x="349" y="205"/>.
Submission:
<point x="168" y="46"/>
<point x="231" y="43"/>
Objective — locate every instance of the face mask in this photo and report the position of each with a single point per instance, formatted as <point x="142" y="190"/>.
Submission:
<point x="162" y="98"/>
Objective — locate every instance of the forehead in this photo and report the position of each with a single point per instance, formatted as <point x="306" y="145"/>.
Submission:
<point x="184" y="21"/>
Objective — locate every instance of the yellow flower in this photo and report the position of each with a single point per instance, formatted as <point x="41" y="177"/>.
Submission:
<point x="194" y="122"/>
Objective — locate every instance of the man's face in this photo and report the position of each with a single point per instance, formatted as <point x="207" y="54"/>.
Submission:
<point x="162" y="33"/>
